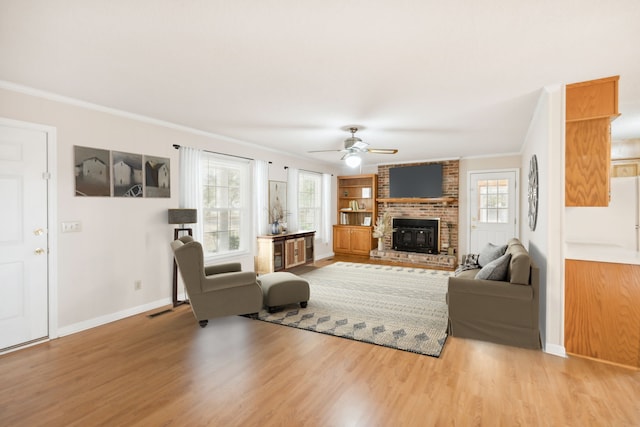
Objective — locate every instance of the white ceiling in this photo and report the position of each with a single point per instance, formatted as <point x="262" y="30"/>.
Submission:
<point x="435" y="79"/>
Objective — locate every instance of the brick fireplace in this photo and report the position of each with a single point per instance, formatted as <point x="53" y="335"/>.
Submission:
<point x="445" y="210"/>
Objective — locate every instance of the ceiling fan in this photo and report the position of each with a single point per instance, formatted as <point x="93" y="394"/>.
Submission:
<point x="353" y="146"/>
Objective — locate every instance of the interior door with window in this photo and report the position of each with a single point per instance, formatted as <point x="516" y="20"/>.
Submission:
<point x="493" y="208"/>
<point x="23" y="236"/>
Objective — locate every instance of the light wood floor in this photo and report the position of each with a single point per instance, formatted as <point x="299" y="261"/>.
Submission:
<point x="167" y="371"/>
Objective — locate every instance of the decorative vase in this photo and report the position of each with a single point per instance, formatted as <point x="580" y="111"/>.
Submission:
<point x="380" y="244"/>
<point x="275" y="227"/>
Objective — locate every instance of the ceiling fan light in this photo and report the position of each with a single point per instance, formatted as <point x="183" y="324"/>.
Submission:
<point x="353" y="160"/>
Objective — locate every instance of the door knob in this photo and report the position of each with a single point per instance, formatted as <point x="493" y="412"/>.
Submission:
<point x="39" y="251"/>
<point x="38" y="231"/>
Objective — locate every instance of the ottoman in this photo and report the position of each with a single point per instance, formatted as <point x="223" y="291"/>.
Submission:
<point x="282" y="288"/>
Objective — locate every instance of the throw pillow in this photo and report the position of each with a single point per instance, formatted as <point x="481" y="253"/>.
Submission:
<point x="496" y="269"/>
<point x="490" y="252"/>
<point x="469" y="262"/>
<point x="472" y="259"/>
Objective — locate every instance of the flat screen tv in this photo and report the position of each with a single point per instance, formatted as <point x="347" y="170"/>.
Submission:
<point x="416" y="181"/>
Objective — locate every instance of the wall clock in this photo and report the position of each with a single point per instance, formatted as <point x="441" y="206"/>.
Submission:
<point x="533" y="192"/>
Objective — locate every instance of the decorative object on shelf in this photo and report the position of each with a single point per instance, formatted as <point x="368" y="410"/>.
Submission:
<point x="450" y="249"/>
<point x="181" y="217"/>
<point x="533" y="192"/>
<point x="275" y="227"/>
<point x="382" y="229"/>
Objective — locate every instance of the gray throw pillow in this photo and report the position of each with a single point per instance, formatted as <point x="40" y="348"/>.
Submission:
<point x="496" y="269"/>
<point x="490" y="252"/>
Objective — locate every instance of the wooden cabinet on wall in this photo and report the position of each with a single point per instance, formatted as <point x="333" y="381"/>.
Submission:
<point x="602" y="314"/>
<point x="283" y="251"/>
<point x="357" y="213"/>
<point x="590" y="107"/>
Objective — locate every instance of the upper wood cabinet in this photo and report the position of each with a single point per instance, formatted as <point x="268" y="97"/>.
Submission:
<point x="590" y="107"/>
<point x="592" y="99"/>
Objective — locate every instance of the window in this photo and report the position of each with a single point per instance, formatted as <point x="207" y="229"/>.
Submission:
<point x="225" y="204"/>
<point x="493" y="206"/>
<point x="309" y="201"/>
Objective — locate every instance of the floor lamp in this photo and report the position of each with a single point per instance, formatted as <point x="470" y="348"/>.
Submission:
<point x="182" y="217"/>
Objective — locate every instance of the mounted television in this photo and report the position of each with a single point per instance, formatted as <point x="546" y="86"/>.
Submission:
<point x="416" y="181"/>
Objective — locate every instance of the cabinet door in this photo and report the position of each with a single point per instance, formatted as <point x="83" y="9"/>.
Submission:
<point x="360" y="240"/>
<point x="602" y="316"/>
<point x="278" y="255"/>
<point x="299" y="251"/>
<point x="341" y="239"/>
<point x="308" y="249"/>
<point x="294" y="252"/>
<point x="587" y="162"/>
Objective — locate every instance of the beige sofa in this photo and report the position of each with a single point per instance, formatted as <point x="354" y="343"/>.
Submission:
<point x="503" y="312"/>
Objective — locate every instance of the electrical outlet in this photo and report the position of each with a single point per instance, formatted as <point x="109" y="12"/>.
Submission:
<point x="71" y="226"/>
<point x="137" y="285"/>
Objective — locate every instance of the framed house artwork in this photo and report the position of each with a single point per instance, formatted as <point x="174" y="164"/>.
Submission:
<point x="157" y="177"/>
<point x="127" y="174"/>
<point x="92" y="171"/>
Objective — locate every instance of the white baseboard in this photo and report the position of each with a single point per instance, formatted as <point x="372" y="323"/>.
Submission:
<point x="112" y="317"/>
<point x="556" y="350"/>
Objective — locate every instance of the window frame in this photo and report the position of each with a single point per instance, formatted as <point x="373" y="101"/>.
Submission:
<point x="317" y="198"/>
<point x="238" y="218"/>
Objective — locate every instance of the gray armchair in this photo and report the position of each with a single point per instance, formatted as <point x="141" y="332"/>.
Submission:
<point x="217" y="290"/>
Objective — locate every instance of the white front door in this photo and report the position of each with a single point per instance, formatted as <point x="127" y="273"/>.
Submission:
<point x="23" y="236"/>
<point x="493" y="208"/>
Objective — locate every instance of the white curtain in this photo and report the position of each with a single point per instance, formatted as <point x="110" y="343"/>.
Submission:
<point x="191" y="186"/>
<point x="292" y="199"/>
<point x="325" y="217"/>
<point x="261" y="200"/>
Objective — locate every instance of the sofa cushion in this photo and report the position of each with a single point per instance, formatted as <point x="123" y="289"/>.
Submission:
<point x="496" y="269"/>
<point x="490" y="252"/>
<point x="520" y="265"/>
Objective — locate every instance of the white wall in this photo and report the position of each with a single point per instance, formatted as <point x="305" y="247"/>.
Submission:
<point x="545" y="139"/>
<point x="122" y="240"/>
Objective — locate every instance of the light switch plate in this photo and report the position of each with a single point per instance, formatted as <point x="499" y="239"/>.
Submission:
<point x="71" y="226"/>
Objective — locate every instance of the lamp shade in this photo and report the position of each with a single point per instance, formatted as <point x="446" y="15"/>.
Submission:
<point x="183" y="216"/>
<point x="352" y="160"/>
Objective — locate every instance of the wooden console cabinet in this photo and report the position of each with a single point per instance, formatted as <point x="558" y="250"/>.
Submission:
<point x="357" y="213"/>
<point x="280" y="252"/>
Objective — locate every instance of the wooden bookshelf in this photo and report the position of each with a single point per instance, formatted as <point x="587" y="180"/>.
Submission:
<point x="357" y="212"/>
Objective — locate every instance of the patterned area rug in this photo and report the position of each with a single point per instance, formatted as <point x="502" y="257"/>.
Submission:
<point x="395" y="307"/>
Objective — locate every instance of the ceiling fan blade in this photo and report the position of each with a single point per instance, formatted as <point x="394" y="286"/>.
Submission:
<point x="382" y="150"/>
<point x="326" y="151"/>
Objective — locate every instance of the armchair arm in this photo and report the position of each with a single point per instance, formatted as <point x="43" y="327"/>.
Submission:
<point x="222" y="268"/>
<point x="488" y="288"/>
<point x="229" y="280"/>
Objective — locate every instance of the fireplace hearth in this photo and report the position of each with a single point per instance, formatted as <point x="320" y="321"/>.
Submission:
<point x="416" y="235"/>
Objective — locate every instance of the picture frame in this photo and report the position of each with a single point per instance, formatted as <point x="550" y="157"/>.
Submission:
<point x="367" y="221"/>
<point x="92" y="171"/>
<point x="366" y="192"/>
<point x="277" y="201"/>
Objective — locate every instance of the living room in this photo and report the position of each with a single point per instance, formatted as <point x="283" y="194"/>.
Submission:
<point x="122" y="241"/>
